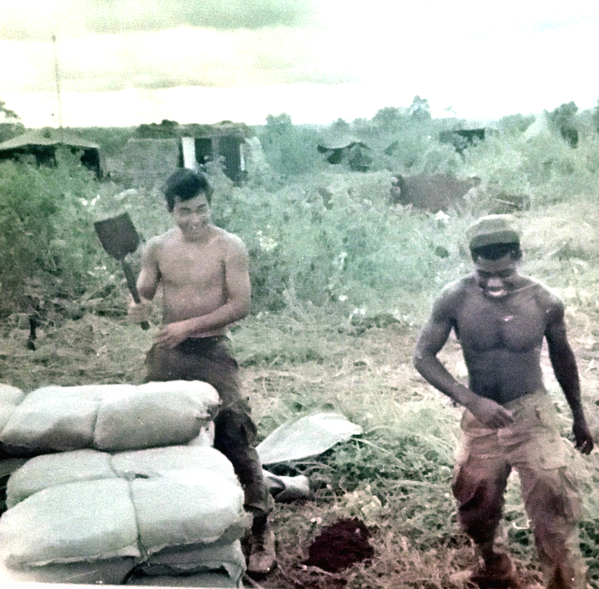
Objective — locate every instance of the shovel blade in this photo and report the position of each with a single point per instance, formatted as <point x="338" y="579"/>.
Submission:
<point x="117" y="236"/>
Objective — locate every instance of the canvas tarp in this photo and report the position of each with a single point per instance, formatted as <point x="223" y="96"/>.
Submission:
<point x="306" y="436"/>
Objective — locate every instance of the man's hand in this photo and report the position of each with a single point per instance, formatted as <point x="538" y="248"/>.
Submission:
<point x="489" y="412"/>
<point x="172" y="335"/>
<point x="583" y="440"/>
<point x="139" y="312"/>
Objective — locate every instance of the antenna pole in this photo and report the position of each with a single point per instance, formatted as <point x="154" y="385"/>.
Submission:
<point x="57" y="76"/>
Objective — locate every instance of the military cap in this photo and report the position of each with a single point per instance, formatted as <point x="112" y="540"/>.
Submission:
<point x="493" y="229"/>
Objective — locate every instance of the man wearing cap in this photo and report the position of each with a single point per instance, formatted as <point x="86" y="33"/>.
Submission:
<point x="501" y="318"/>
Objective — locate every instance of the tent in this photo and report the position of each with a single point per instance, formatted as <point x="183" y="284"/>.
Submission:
<point x="355" y="151"/>
<point x="42" y="145"/>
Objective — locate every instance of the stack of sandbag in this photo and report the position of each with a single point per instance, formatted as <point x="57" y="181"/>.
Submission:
<point x="105" y="417"/>
<point x="137" y="500"/>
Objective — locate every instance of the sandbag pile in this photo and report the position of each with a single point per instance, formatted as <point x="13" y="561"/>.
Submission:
<point x="103" y="502"/>
<point x="104" y="417"/>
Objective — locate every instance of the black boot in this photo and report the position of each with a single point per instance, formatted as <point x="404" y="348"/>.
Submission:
<point x="263" y="558"/>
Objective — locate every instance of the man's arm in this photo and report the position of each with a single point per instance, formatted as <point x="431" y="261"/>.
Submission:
<point x="236" y="306"/>
<point x="565" y="369"/>
<point x="432" y="338"/>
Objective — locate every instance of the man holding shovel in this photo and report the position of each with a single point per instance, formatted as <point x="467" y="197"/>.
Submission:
<point x="204" y="275"/>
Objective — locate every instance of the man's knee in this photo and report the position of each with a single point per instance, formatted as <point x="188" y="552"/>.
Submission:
<point x="480" y="504"/>
<point x="234" y="429"/>
<point x="553" y="502"/>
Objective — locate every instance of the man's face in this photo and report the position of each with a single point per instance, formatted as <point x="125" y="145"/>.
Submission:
<point x="192" y="216"/>
<point x="496" y="278"/>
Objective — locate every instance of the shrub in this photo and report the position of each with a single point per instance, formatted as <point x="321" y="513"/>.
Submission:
<point x="10" y="123"/>
<point x="290" y="150"/>
<point x="543" y="168"/>
<point x="347" y="246"/>
<point x="46" y="233"/>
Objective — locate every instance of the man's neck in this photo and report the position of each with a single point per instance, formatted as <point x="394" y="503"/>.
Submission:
<point x="206" y="237"/>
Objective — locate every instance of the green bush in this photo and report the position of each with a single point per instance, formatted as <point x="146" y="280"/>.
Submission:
<point x="46" y="234"/>
<point x="544" y="167"/>
<point x="348" y="246"/>
<point x="289" y="149"/>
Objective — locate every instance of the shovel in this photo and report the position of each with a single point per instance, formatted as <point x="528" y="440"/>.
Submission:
<point x="119" y="238"/>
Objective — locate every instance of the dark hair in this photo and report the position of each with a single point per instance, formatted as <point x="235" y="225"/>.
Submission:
<point x="495" y="251"/>
<point x="186" y="184"/>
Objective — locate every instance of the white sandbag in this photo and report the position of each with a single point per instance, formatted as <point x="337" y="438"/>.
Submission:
<point x="153" y="462"/>
<point x="8" y="466"/>
<point x="206" y="436"/>
<point x="159" y="414"/>
<point x="196" y="558"/>
<point x="101" y="572"/>
<point x="68" y="523"/>
<point x="10" y="397"/>
<point x="179" y="510"/>
<point x="210" y="580"/>
<point x="50" y="419"/>
<point x="49" y="470"/>
<point x="107" y="417"/>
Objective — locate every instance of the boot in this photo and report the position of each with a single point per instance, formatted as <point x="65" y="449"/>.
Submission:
<point x="496" y="571"/>
<point x="284" y="489"/>
<point x="263" y="558"/>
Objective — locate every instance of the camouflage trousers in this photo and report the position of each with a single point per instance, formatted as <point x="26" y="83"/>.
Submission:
<point x="533" y="447"/>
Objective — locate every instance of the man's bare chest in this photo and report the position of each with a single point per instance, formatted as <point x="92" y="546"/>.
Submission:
<point x="186" y="268"/>
<point x="516" y="325"/>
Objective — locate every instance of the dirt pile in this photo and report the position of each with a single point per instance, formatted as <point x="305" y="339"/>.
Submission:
<point x="340" y="545"/>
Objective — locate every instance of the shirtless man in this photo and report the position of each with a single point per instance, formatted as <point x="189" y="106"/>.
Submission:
<point x="501" y="319"/>
<point x="204" y="275"/>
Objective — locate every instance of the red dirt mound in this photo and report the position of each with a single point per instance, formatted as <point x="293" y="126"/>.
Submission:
<point x="340" y="545"/>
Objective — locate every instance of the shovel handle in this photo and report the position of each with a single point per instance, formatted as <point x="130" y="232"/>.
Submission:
<point x="133" y="289"/>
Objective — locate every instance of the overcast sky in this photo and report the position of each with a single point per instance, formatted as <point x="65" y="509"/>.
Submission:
<point x="127" y="62"/>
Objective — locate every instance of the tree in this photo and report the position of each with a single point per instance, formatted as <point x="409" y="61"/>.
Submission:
<point x="278" y="125"/>
<point x="515" y="124"/>
<point x="388" y="117"/>
<point x="563" y="117"/>
<point x="165" y="130"/>
<point x="10" y="123"/>
<point x="420" y="109"/>
<point x="288" y="149"/>
<point x="341" y="127"/>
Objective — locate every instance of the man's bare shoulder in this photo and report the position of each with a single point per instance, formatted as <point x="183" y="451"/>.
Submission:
<point x="230" y="241"/>
<point x="228" y="237"/>
<point x="447" y="305"/>
<point x="546" y="297"/>
<point x="158" y="242"/>
<point x="163" y="238"/>
<point x="454" y="292"/>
